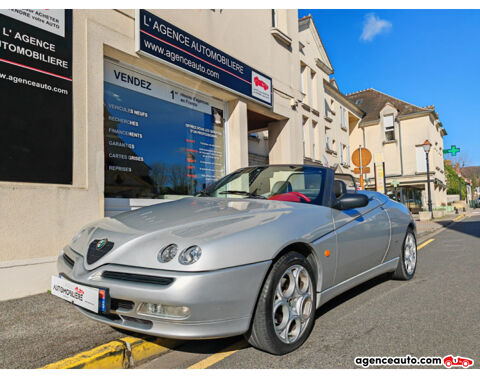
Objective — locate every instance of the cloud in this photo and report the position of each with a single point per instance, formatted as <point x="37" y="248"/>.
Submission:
<point x="373" y="26"/>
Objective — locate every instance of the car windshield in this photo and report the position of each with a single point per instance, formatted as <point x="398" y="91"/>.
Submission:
<point x="282" y="183"/>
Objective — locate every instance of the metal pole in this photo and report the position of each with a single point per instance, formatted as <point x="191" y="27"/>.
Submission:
<point x="361" y="176"/>
<point x="428" y="185"/>
<point x="460" y="186"/>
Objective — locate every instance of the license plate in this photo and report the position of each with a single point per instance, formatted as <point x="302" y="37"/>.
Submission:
<point x="80" y="295"/>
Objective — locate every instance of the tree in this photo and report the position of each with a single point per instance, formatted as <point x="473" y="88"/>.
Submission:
<point x="452" y="181"/>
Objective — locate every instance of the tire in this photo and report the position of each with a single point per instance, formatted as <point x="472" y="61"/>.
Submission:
<point x="404" y="271"/>
<point x="294" y="308"/>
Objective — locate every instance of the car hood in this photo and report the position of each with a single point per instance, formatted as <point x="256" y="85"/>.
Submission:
<point x="230" y="231"/>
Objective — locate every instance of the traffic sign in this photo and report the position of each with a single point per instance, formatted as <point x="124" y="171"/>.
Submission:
<point x="365" y="155"/>
<point x="364" y="170"/>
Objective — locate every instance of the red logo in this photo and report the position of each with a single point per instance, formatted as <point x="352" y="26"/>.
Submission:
<point x="260" y="83"/>
<point x="79" y="291"/>
<point x="450" y="361"/>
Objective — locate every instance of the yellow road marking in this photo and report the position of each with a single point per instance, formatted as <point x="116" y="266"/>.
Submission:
<point x="217" y="357"/>
<point x="107" y="356"/>
<point x="424" y="244"/>
<point x="457" y="218"/>
<point x="113" y="355"/>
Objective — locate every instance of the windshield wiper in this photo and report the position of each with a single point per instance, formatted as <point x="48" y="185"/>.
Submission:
<point x="242" y="192"/>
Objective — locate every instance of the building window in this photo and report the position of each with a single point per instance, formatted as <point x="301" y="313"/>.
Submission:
<point x="304" y="133"/>
<point x="421" y="159"/>
<point x="303" y="87"/>
<point x="326" y="107"/>
<point x="343" y="118"/>
<point x="313" y="137"/>
<point x="275" y="18"/>
<point x="342" y="146"/>
<point x="389" y="127"/>
<point x="329" y="143"/>
<point x="313" y="89"/>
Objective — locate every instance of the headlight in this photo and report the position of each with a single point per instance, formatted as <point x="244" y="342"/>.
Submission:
<point x="167" y="253"/>
<point x="190" y="255"/>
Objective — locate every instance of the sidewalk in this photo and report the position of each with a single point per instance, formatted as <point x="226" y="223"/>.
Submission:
<point x="426" y="227"/>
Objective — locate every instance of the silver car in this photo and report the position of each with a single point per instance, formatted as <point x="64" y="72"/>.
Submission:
<point x="255" y="253"/>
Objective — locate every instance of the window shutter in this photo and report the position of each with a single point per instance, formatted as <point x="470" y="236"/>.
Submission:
<point x="388" y="121"/>
<point x="421" y="159"/>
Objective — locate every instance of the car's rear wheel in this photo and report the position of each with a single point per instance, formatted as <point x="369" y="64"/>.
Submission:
<point x="285" y="310"/>
<point x="408" y="259"/>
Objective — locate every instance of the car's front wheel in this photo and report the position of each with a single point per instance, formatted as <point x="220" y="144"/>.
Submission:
<point x="285" y="310"/>
<point x="408" y="259"/>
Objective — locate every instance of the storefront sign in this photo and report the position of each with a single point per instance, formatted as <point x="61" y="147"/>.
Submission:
<point x="160" y="139"/>
<point x="379" y="167"/>
<point x="161" y="40"/>
<point x="36" y="95"/>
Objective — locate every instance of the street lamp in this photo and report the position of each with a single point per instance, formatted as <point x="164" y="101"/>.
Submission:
<point x="426" y="147"/>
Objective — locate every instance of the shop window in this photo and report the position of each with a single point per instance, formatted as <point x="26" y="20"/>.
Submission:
<point x="160" y="139"/>
<point x="389" y="127"/>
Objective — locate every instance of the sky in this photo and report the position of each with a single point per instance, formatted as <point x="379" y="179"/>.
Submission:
<point x="424" y="57"/>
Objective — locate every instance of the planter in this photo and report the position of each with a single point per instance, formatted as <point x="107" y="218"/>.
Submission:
<point x="425" y="215"/>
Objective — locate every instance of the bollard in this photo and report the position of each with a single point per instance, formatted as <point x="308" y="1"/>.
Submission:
<point x="456" y="211"/>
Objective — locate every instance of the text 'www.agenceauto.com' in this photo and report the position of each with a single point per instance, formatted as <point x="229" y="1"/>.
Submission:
<point x="408" y="360"/>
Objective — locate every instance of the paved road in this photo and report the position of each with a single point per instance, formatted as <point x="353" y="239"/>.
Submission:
<point x="40" y="329"/>
<point x="435" y="314"/>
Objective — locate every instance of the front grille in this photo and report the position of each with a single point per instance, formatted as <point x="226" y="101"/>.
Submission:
<point x="94" y="254"/>
<point x="121" y="304"/>
<point x="68" y="260"/>
<point x="141" y="278"/>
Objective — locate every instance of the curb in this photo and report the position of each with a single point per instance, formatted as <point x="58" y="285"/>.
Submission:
<point x="424" y="236"/>
<point x="119" y="354"/>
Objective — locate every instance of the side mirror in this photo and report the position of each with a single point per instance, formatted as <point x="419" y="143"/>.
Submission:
<point x="351" y="201"/>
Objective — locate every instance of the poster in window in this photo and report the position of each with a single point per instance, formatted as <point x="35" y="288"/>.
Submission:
<point x="36" y="96"/>
<point x="160" y="140"/>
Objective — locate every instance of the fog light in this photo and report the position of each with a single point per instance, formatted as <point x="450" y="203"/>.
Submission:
<point x="164" y="311"/>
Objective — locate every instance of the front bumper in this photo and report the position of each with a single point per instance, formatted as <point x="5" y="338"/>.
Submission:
<point x="221" y="302"/>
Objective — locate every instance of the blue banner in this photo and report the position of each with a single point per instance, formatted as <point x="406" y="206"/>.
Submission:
<point x="162" y="40"/>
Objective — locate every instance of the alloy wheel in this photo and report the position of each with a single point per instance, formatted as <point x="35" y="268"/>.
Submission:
<point x="410" y="254"/>
<point x="293" y="304"/>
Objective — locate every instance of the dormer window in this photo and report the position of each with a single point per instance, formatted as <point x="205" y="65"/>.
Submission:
<point x="358" y="102"/>
<point x="389" y="127"/>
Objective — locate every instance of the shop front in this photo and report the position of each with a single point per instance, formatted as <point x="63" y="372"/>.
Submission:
<point x="146" y="107"/>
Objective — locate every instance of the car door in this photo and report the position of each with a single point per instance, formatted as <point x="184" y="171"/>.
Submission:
<point x="363" y="236"/>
